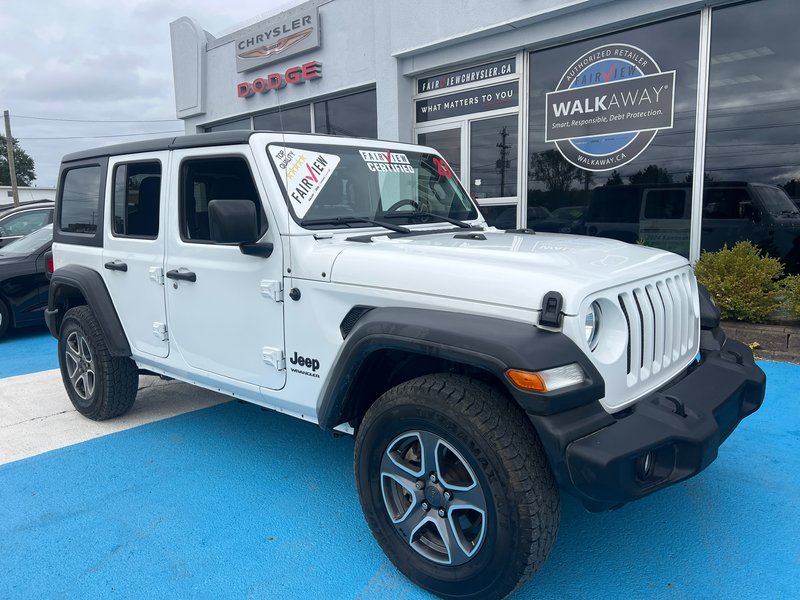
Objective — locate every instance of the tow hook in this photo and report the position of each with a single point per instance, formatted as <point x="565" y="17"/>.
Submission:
<point x="679" y="409"/>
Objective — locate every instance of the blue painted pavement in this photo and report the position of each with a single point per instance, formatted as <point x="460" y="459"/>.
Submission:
<point x="235" y="502"/>
<point x="27" y="350"/>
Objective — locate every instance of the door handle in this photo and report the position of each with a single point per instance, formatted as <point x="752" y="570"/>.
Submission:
<point x="181" y="275"/>
<point x="116" y="265"/>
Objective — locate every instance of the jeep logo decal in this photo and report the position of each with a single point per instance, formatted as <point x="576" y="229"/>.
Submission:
<point x="307" y="362"/>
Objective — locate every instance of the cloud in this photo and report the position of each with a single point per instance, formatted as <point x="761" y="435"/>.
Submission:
<point x="90" y="59"/>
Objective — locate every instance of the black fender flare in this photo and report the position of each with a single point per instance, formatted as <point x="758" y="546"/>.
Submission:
<point x="489" y="343"/>
<point x="89" y="283"/>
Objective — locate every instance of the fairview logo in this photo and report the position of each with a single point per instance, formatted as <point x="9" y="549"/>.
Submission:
<point x="384" y="157"/>
<point x="304" y="173"/>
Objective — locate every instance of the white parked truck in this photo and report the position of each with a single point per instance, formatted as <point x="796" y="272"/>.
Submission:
<point x="354" y="284"/>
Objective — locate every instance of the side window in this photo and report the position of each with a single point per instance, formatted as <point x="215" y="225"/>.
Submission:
<point x="665" y="204"/>
<point x="726" y="203"/>
<point x="206" y="179"/>
<point x="80" y="200"/>
<point x="137" y="193"/>
<point x="24" y="223"/>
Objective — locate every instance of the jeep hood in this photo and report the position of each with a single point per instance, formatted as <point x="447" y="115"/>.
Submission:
<point x="507" y="269"/>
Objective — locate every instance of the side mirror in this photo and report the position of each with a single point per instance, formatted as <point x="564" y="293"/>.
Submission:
<point x="236" y="222"/>
<point x="232" y="221"/>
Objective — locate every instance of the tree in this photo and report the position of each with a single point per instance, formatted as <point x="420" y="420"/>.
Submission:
<point x="651" y="174"/>
<point x="792" y="187"/>
<point x="549" y="166"/>
<point x="614" y="179"/>
<point x="707" y="177"/>
<point x="22" y="162"/>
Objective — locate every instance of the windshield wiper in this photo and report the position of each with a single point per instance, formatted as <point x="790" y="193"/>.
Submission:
<point x="419" y="213"/>
<point x="351" y="220"/>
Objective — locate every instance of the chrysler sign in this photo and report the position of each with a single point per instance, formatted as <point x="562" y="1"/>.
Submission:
<point x="287" y="34"/>
<point x="609" y="106"/>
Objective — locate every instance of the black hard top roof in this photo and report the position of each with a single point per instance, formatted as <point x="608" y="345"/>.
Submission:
<point x="198" y="140"/>
<point x="217" y="138"/>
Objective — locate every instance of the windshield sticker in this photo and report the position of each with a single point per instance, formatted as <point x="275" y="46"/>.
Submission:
<point x="306" y="174"/>
<point x="442" y="167"/>
<point x="386" y="162"/>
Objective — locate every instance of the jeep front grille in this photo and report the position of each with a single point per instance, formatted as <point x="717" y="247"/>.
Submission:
<point x="662" y="325"/>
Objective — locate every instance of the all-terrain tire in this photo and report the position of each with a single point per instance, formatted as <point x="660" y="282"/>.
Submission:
<point x="100" y="386"/>
<point x="483" y="444"/>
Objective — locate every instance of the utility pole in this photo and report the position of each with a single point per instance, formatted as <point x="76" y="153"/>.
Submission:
<point x="11" y="167"/>
<point x="502" y="162"/>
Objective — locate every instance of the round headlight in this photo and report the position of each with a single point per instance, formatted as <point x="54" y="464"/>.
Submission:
<point x="592" y="325"/>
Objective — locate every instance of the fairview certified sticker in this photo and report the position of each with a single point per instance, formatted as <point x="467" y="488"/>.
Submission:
<point x="609" y="106"/>
<point x="386" y="162"/>
<point x="305" y="174"/>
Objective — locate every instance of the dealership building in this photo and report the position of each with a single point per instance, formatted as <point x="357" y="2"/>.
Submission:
<point x="594" y="117"/>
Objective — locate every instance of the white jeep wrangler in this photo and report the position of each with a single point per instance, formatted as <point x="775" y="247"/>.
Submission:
<point x="354" y="284"/>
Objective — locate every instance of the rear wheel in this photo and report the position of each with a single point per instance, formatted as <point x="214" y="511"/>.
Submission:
<point x="100" y="386"/>
<point x="455" y="486"/>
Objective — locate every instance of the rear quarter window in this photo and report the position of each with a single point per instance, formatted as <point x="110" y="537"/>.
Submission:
<point x="80" y="200"/>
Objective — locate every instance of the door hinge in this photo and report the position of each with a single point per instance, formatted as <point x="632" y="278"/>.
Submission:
<point x="157" y="275"/>
<point x="272" y="289"/>
<point x="274" y="357"/>
<point x="160" y="331"/>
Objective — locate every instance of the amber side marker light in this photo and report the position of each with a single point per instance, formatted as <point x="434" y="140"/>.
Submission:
<point x="548" y="380"/>
<point x="526" y="380"/>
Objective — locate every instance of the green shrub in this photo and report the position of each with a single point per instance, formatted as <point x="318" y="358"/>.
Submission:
<point x="742" y="280"/>
<point x="790" y="290"/>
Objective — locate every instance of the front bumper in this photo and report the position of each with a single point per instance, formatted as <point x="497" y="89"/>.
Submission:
<point x="602" y="458"/>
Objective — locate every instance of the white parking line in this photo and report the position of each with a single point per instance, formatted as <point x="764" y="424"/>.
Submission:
<point x="36" y="415"/>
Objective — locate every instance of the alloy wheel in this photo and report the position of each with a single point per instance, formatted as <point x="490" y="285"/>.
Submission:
<point x="80" y="365"/>
<point x="433" y="497"/>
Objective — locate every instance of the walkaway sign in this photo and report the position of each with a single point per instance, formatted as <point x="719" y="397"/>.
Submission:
<point x="609" y="106"/>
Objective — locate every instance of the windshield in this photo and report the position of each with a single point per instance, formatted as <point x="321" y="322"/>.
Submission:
<point x="776" y="202"/>
<point x="338" y="186"/>
<point x="31" y="242"/>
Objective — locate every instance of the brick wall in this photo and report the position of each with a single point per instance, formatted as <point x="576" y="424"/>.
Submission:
<point x="776" y="342"/>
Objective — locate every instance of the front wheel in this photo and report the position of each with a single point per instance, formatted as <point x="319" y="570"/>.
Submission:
<point x="100" y="386"/>
<point x="455" y="486"/>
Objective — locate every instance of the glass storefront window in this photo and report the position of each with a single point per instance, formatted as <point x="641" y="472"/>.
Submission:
<point x="230" y="125"/>
<point x="503" y="216"/>
<point x="355" y="115"/>
<point x="752" y="161"/>
<point x="619" y="153"/>
<point x="296" y="119"/>
<point x="447" y="142"/>
<point x="493" y="157"/>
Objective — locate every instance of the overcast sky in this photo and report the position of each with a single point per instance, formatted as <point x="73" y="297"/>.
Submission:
<point x="98" y="60"/>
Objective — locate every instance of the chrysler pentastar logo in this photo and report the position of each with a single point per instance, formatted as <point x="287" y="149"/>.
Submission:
<point x="282" y="44"/>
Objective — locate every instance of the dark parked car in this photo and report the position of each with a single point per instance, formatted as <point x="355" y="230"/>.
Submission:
<point x="18" y="221"/>
<point x="23" y="280"/>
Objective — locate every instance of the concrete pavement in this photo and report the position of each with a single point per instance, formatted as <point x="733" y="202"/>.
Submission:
<point x="36" y="415"/>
